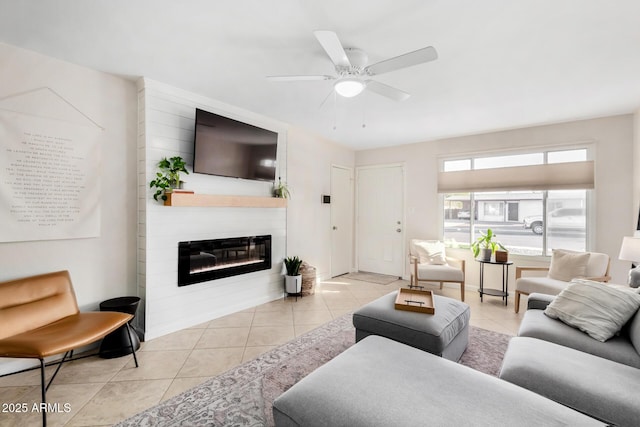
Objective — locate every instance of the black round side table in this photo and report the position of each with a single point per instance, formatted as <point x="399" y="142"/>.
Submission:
<point x="116" y="344"/>
<point x="504" y="293"/>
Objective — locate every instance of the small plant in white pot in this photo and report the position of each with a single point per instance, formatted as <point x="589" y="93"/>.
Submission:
<point x="293" y="278"/>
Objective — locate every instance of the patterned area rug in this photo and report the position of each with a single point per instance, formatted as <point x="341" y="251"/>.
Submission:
<point x="379" y="279"/>
<point x="243" y="396"/>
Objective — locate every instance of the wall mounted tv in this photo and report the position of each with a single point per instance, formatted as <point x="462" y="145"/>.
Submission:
<point x="227" y="147"/>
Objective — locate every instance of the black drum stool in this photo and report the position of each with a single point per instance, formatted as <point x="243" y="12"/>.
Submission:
<point x="116" y="344"/>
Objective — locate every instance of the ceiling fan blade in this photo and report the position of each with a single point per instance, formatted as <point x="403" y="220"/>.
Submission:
<point x="410" y="59"/>
<point x="331" y="44"/>
<point x="388" y="91"/>
<point x="298" y="78"/>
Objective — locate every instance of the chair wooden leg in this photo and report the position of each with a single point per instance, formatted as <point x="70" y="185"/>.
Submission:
<point x="440" y="285"/>
<point x="517" y="302"/>
<point x="462" y="291"/>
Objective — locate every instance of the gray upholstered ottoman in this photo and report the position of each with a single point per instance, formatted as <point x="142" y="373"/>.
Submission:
<point x="445" y="333"/>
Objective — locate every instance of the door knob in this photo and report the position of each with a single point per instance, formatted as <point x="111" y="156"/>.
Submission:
<point x="335" y="228"/>
<point x="398" y="230"/>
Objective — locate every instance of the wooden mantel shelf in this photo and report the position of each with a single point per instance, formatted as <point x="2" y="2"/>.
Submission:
<point x="210" y="200"/>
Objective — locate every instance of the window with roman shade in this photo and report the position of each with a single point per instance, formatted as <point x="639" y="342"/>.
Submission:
<point x="534" y="201"/>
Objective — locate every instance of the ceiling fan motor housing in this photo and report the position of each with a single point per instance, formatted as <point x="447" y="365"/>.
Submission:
<point x="358" y="59"/>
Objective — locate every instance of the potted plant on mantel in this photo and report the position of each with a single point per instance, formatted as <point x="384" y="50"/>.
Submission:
<point x="485" y="246"/>
<point x="169" y="176"/>
<point x="281" y="190"/>
<point x="293" y="278"/>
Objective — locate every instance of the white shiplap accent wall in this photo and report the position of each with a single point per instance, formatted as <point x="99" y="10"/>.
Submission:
<point x="166" y="128"/>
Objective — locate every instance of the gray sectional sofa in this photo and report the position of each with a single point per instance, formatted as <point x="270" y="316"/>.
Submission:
<point x="380" y="382"/>
<point x="562" y="363"/>
<point x="552" y="375"/>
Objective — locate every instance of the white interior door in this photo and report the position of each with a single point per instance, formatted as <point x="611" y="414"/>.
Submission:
<point x="380" y="211"/>
<point x="341" y="220"/>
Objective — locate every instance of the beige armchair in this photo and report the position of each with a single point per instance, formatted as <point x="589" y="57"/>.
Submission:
<point x="429" y="263"/>
<point x="596" y="268"/>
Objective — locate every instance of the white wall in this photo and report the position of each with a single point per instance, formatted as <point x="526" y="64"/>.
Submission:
<point x="636" y="169"/>
<point x="615" y="211"/>
<point x="103" y="267"/>
<point x="309" y="177"/>
<point x="304" y="159"/>
<point x="167" y="117"/>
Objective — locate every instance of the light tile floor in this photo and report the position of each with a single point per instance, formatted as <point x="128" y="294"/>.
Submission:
<point x="104" y="391"/>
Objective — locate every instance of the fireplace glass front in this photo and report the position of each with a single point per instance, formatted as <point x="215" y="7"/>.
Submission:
<point x="204" y="260"/>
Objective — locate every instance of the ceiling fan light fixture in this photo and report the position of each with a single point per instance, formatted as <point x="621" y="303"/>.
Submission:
<point x="349" y="87"/>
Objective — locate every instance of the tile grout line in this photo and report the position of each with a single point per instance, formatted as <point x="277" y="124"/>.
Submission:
<point x="244" y="351"/>
<point x="182" y="365"/>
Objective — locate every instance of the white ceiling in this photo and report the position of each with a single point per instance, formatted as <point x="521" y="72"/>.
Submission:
<point x="502" y="63"/>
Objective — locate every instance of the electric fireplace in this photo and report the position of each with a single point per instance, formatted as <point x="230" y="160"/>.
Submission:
<point x="204" y="260"/>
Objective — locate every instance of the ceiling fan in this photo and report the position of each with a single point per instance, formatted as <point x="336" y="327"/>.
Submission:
<point x="353" y="75"/>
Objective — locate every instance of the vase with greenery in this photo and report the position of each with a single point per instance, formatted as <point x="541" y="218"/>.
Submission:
<point x="486" y="245"/>
<point x="293" y="278"/>
<point x="168" y="177"/>
<point x="280" y="190"/>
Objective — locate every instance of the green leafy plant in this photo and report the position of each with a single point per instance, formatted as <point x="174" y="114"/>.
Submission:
<point x="280" y="190"/>
<point x="486" y="241"/>
<point x="169" y="176"/>
<point x="292" y="264"/>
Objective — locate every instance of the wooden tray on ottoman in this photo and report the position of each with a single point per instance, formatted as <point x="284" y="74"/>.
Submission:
<point x="415" y="300"/>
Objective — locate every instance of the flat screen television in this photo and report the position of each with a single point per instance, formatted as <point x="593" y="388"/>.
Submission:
<point x="227" y="147"/>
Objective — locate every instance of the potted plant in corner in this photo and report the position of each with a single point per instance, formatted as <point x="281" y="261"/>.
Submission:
<point x="293" y="278"/>
<point x="168" y="178"/>
<point x="485" y="246"/>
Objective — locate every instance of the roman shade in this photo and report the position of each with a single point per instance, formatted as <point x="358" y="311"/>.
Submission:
<point x="552" y="176"/>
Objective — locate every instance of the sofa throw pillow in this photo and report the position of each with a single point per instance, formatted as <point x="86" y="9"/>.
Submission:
<point x="626" y="288"/>
<point x="566" y="265"/>
<point x="596" y="308"/>
<point x="431" y="252"/>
